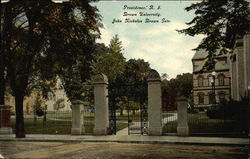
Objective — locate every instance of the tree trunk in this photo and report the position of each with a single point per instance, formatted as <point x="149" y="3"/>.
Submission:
<point x="20" y="133"/>
<point x="133" y="112"/>
<point x="6" y="32"/>
<point x="2" y="90"/>
<point x="121" y="112"/>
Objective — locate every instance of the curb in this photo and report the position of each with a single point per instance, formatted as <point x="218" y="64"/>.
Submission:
<point x="130" y="141"/>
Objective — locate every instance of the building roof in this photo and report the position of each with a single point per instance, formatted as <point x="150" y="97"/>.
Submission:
<point x="202" y="54"/>
<point x="218" y="67"/>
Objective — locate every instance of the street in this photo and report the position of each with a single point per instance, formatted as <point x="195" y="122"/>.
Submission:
<point x="108" y="150"/>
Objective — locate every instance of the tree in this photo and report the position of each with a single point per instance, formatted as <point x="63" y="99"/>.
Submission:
<point x="182" y="85"/>
<point x="8" y="14"/>
<point x="59" y="104"/>
<point x="37" y="108"/>
<point x="39" y="31"/>
<point x="112" y="62"/>
<point x="131" y="84"/>
<point x="222" y="22"/>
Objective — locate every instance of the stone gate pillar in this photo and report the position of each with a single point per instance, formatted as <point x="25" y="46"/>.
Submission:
<point x="77" y="118"/>
<point x="101" y="104"/>
<point x="182" y="121"/>
<point x="154" y="104"/>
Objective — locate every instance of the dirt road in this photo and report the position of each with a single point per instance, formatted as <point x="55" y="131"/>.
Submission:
<point x="88" y="150"/>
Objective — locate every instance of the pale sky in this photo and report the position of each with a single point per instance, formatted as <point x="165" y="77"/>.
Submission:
<point x="159" y="44"/>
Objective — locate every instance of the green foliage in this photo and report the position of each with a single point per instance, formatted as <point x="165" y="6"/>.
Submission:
<point x="41" y="40"/>
<point x="232" y="110"/>
<point x="72" y="84"/>
<point x="182" y="85"/>
<point x="38" y="103"/>
<point x="112" y="62"/>
<point x="59" y="104"/>
<point x="235" y="110"/>
<point x="222" y="22"/>
<point x="37" y="107"/>
<point x="130" y="88"/>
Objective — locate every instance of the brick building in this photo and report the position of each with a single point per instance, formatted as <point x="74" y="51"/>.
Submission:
<point x="203" y="90"/>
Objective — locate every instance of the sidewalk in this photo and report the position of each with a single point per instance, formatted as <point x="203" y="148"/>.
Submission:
<point x="132" y="139"/>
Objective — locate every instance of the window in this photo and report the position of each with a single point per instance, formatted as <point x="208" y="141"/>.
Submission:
<point x="211" y="98"/>
<point x="221" y="80"/>
<point x="201" y="98"/>
<point x="200" y="81"/>
<point x="222" y="96"/>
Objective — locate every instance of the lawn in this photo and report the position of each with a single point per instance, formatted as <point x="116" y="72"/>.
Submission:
<point x="57" y="127"/>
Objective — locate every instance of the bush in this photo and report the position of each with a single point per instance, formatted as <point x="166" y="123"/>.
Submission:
<point x="233" y="110"/>
<point x="237" y="111"/>
<point x="215" y="112"/>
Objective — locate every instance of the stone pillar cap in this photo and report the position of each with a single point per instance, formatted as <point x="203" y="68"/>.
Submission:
<point x="182" y="98"/>
<point x="153" y="75"/>
<point x="77" y="102"/>
<point x="100" y="79"/>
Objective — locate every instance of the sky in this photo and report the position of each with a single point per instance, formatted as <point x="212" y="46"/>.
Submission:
<point x="160" y="44"/>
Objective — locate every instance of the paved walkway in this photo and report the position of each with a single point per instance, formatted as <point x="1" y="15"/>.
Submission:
<point x="164" y="121"/>
<point x="131" y="139"/>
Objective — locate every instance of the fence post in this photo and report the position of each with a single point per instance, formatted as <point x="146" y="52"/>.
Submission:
<point x="5" y="121"/>
<point x="154" y="104"/>
<point x="77" y="118"/>
<point x="101" y="104"/>
<point x="182" y="121"/>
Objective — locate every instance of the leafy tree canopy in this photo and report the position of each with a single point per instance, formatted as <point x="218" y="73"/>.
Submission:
<point x="182" y="85"/>
<point x="222" y="22"/>
<point x="42" y="39"/>
<point x="112" y="62"/>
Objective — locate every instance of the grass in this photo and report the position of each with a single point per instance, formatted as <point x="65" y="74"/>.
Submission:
<point x="120" y="126"/>
<point x="200" y="124"/>
<point x="57" y="127"/>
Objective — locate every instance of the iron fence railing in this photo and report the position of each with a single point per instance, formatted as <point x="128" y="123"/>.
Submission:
<point x="50" y="122"/>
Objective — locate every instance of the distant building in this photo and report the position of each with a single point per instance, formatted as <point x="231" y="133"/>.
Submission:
<point x="203" y="80"/>
<point x="240" y="68"/>
<point x="58" y="96"/>
<point x="28" y="103"/>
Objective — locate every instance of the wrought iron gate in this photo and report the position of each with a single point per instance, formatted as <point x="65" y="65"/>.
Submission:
<point x="112" y="119"/>
<point x="128" y="104"/>
<point x="138" y="120"/>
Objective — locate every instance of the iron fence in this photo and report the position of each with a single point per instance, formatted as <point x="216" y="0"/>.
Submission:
<point x="227" y="119"/>
<point x="219" y="121"/>
<point x="88" y="119"/>
<point x="50" y="122"/>
<point x="169" y="120"/>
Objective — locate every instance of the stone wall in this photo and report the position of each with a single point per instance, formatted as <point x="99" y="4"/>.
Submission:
<point x="240" y="68"/>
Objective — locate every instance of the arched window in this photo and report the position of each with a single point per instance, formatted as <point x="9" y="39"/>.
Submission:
<point x="200" y="81"/>
<point x="221" y="78"/>
<point x="222" y="96"/>
<point x="201" y="98"/>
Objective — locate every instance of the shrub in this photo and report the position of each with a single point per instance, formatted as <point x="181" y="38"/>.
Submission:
<point x="237" y="111"/>
<point x="229" y="110"/>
